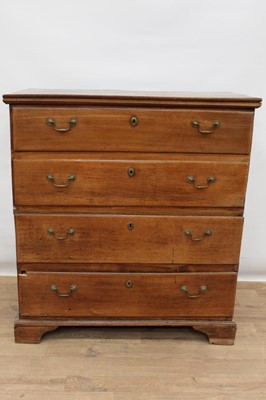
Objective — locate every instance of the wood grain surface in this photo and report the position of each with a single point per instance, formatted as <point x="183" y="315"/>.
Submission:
<point x="107" y="239"/>
<point x="130" y="98"/>
<point x="109" y="129"/>
<point x="103" y="295"/>
<point x="131" y="210"/>
<point x="108" y="183"/>
<point x="126" y="267"/>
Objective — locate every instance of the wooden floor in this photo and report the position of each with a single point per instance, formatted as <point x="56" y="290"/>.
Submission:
<point x="136" y="363"/>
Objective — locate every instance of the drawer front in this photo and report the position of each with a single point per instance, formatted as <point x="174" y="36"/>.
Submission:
<point x="110" y="129"/>
<point x="98" y="295"/>
<point x="130" y="183"/>
<point x="128" y="239"/>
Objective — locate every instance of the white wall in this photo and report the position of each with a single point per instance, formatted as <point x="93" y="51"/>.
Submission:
<point x="186" y="45"/>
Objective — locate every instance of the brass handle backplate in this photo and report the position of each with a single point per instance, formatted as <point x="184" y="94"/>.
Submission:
<point x="69" y="232"/>
<point x="134" y="121"/>
<point x="207" y="233"/>
<point x="203" y="289"/>
<point x="192" y="180"/>
<point x="71" y="123"/>
<point x="72" y="289"/>
<point x="215" y="125"/>
<point x="51" y="179"/>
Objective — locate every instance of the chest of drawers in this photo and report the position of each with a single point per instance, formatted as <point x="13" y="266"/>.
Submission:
<point x="128" y="208"/>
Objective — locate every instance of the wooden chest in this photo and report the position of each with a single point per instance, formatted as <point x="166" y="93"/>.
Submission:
<point x="128" y="208"/>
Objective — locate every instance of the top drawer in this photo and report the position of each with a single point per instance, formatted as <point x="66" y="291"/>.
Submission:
<point x="131" y="129"/>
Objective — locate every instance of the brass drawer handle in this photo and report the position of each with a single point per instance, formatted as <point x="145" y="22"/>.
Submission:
<point x="72" y="289"/>
<point x="51" y="179"/>
<point x="131" y="172"/>
<point x="203" y="289"/>
<point x="215" y="125"/>
<point x="134" y="121"/>
<point x="70" y="232"/>
<point x="129" y="284"/>
<point x="207" y="233"/>
<point x="71" y="123"/>
<point x="192" y="180"/>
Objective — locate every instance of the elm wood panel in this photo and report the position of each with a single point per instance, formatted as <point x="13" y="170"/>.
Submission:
<point x="129" y="156"/>
<point x="107" y="239"/>
<point x="219" y="331"/>
<point x="207" y="211"/>
<point x="109" y="129"/>
<point x="31" y="330"/>
<point x="107" y="183"/>
<point x="143" y="103"/>
<point x="101" y="295"/>
<point x="166" y="268"/>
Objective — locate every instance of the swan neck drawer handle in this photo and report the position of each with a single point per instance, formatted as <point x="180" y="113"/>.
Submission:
<point x="203" y="289"/>
<point x="215" y="125"/>
<point x="192" y="180"/>
<point x="69" y="232"/>
<point x="72" y="289"/>
<point x="51" y="179"/>
<point x="71" y="123"/>
<point x="207" y="233"/>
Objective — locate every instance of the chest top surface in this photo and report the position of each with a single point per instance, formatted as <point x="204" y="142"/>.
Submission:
<point x="125" y="98"/>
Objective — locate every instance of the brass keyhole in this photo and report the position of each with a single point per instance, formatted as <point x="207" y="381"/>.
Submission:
<point x="134" y="121"/>
<point x="131" y="172"/>
<point x="130" y="226"/>
<point x="129" y="284"/>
